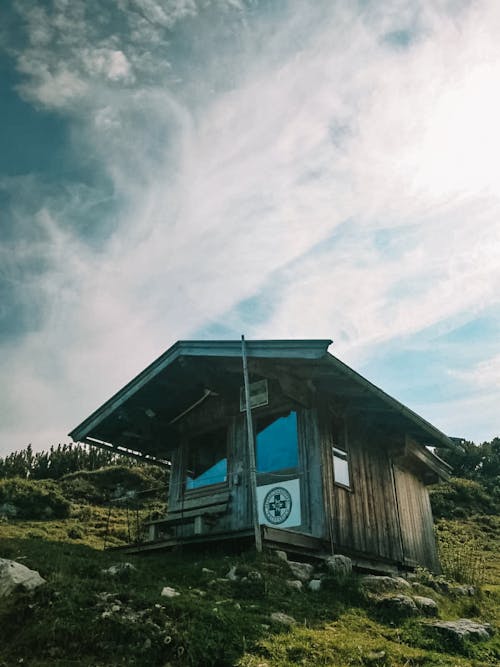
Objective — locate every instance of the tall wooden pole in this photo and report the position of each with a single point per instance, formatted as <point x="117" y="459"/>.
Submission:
<point x="251" y="451"/>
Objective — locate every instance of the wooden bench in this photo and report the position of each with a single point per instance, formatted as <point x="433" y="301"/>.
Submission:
<point x="201" y="511"/>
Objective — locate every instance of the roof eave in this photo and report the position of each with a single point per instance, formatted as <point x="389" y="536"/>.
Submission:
<point x="285" y="349"/>
<point x="436" y="435"/>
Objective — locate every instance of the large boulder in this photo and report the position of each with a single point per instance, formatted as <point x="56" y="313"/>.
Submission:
<point x="402" y="605"/>
<point x="339" y="566"/>
<point x="283" y="619"/>
<point x="463" y="629"/>
<point x="427" y="606"/>
<point x="302" y="571"/>
<point x="373" y="583"/>
<point x="14" y="575"/>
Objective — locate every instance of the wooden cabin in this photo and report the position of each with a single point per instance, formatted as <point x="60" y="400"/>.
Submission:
<point x="341" y="467"/>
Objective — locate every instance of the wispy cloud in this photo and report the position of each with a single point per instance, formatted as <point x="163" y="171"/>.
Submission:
<point x="312" y="169"/>
<point x="484" y="375"/>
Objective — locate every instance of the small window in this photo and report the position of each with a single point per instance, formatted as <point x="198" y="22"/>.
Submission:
<point x="207" y="459"/>
<point x="277" y="443"/>
<point x="340" y="466"/>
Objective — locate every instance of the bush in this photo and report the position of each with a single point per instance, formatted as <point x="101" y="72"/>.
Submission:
<point x="460" y="553"/>
<point x="111" y="483"/>
<point x="460" y="498"/>
<point x="26" y="499"/>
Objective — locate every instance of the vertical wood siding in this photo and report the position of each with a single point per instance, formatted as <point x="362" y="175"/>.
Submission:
<point x="415" y="514"/>
<point x="311" y="486"/>
<point x="363" y="518"/>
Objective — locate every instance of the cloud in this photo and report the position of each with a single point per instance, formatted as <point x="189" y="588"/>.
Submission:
<point x="315" y="169"/>
<point x="484" y="375"/>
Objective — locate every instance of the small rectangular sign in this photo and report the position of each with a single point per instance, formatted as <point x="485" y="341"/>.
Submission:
<point x="259" y="395"/>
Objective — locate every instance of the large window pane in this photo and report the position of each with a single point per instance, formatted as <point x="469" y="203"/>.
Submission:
<point x="207" y="459"/>
<point x="277" y="446"/>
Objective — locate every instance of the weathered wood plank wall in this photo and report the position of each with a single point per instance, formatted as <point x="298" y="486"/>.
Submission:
<point x="419" y="544"/>
<point x="363" y="518"/>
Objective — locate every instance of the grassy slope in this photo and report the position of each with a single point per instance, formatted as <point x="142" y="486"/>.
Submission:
<point x="86" y="617"/>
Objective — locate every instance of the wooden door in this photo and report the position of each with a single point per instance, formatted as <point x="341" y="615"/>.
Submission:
<point x="415" y="517"/>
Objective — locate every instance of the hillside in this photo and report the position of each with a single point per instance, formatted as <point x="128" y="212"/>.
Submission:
<point x="86" y="615"/>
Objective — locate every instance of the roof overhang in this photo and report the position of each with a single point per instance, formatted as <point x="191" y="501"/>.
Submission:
<point x="169" y="386"/>
<point x="139" y="419"/>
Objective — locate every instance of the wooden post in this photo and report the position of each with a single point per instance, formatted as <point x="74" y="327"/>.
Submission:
<point x="251" y="451"/>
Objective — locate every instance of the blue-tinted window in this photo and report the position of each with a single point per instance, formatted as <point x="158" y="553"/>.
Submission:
<point x="207" y="460"/>
<point x="277" y="445"/>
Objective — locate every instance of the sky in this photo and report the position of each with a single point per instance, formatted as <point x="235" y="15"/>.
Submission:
<point x="186" y="169"/>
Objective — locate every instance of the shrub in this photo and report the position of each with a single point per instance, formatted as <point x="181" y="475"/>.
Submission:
<point x="460" y="553"/>
<point x="75" y="532"/>
<point x="33" y="499"/>
<point x="110" y="483"/>
<point x="460" y="498"/>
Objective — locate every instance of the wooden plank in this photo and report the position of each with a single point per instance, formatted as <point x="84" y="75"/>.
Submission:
<point x="193" y="540"/>
<point x="179" y="517"/>
<point x="201" y="501"/>
<point x="291" y="538"/>
<point x="311" y="479"/>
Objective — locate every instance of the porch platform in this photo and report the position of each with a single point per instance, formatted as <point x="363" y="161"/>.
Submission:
<point x="298" y="545"/>
<point x="272" y="538"/>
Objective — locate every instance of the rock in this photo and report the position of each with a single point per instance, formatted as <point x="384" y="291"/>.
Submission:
<point x="375" y="657"/>
<point x="401" y="604"/>
<point x="283" y="619"/>
<point x="197" y="591"/>
<point x="295" y="585"/>
<point x="281" y="555"/>
<point x="339" y="566"/>
<point x="374" y="583"/>
<point x="440" y="585"/>
<point x="314" y="585"/>
<point x="464" y="628"/>
<point x="219" y="580"/>
<point x="463" y="590"/>
<point x="14" y="574"/>
<point x="302" y="571"/>
<point x="119" y="569"/>
<point x="206" y="570"/>
<point x="427" y="606"/>
<point x="169" y="592"/>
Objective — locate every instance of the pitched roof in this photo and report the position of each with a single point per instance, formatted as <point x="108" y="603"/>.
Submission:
<point x="177" y="379"/>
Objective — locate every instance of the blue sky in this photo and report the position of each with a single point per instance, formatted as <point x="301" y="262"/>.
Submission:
<point x="175" y="169"/>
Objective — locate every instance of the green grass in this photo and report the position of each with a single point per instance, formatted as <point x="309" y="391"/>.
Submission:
<point x="85" y="617"/>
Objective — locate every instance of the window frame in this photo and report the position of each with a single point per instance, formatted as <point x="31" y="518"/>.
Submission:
<point x="207" y="488"/>
<point x="287" y="472"/>
<point x="340" y="445"/>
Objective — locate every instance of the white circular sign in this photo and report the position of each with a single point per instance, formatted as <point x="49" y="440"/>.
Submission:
<point x="277" y="505"/>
